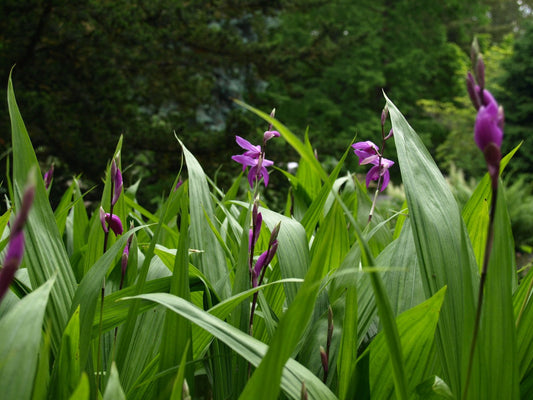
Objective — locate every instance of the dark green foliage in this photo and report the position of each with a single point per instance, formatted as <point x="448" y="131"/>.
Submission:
<point x="87" y="72"/>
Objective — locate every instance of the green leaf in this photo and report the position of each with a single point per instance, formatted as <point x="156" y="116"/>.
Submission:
<point x="293" y="251"/>
<point x="44" y="254"/>
<point x="523" y="311"/>
<point x="348" y="348"/>
<point x="416" y="328"/>
<point x="67" y="370"/>
<point x="290" y="330"/>
<point x="113" y="390"/>
<point x="476" y="211"/>
<point x="497" y="329"/>
<point x="82" y="391"/>
<point x="177" y="388"/>
<point x="248" y="347"/>
<point x="20" y="339"/>
<point x="88" y="291"/>
<point x="211" y="261"/>
<point x="176" y="336"/>
<point x="433" y="388"/>
<point x="402" y="280"/>
<point x="444" y="254"/>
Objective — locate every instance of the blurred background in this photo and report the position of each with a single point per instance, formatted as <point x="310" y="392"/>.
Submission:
<point x="89" y="71"/>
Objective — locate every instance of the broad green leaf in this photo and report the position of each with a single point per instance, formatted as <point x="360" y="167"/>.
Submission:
<point x="113" y="390"/>
<point x="20" y="339"/>
<point x="83" y="390"/>
<point x="42" y="377"/>
<point x="523" y="311"/>
<point x="88" y="291"/>
<point x="176" y="336"/>
<point x="245" y="345"/>
<point x="433" y="388"/>
<point x="211" y="261"/>
<point x="316" y="209"/>
<point x="332" y="252"/>
<point x="497" y="328"/>
<point x="402" y="280"/>
<point x="45" y="254"/>
<point x="416" y="328"/>
<point x="290" y="330"/>
<point x="67" y="370"/>
<point x="476" y="211"/>
<point x="348" y="349"/>
<point x="306" y="175"/>
<point x="63" y="209"/>
<point x="177" y="388"/>
<point x="445" y="257"/>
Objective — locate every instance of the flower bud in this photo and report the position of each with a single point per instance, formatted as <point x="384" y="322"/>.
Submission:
<point x="480" y="71"/>
<point x="48" y="177"/>
<point x="116" y="176"/>
<point x="472" y="92"/>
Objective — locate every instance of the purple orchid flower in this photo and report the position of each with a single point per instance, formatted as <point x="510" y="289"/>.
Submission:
<point x="489" y="123"/>
<point x="253" y="158"/>
<point x="252" y="151"/>
<point x="111" y="220"/>
<point x="269" y="135"/>
<point x="367" y="152"/>
<point x="376" y="171"/>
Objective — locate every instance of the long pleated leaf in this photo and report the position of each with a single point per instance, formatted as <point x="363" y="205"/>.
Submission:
<point x="248" y="347"/>
<point x="211" y="261"/>
<point x="20" y="338"/>
<point x="45" y="254"/>
<point x="416" y="329"/>
<point x="444" y="253"/>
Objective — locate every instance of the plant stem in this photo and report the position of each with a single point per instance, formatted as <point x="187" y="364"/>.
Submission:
<point x="106" y="236"/>
<point x="483" y="278"/>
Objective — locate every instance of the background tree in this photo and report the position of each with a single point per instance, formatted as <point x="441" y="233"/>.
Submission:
<point x="87" y="72"/>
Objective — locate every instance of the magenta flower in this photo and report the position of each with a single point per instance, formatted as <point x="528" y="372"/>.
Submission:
<point x="375" y="172"/>
<point x="269" y="135"/>
<point x="252" y="151"/>
<point x="262" y="261"/>
<point x="111" y="220"/>
<point x="489" y="123"/>
<point x="253" y="158"/>
<point x="367" y="152"/>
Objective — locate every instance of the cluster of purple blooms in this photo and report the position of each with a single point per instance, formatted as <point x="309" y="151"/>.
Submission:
<point x="254" y="156"/>
<point x="368" y="153"/>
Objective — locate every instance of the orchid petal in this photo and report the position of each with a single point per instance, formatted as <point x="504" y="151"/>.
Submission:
<point x="246" y="145"/>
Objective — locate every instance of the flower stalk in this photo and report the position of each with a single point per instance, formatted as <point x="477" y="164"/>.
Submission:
<point x="369" y="153"/>
<point x="488" y="135"/>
